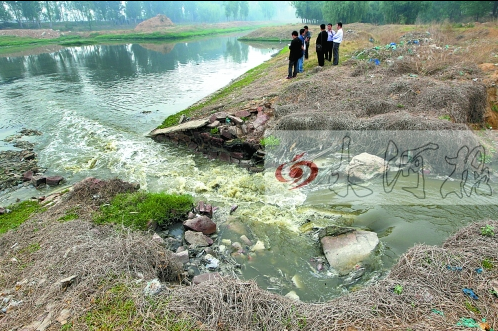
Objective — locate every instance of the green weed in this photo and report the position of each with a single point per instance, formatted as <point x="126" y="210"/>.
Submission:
<point x="445" y="117"/>
<point x="19" y="213"/>
<point x="269" y="141"/>
<point x="215" y="131"/>
<point x="135" y="210"/>
<point x="398" y="289"/>
<point x="488" y="230"/>
<point x="487" y="264"/>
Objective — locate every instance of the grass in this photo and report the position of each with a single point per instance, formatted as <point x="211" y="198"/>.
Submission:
<point x="115" y="309"/>
<point x="69" y="216"/>
<point x="19" y="213"/>
<point x="487" y="264"/>
<point x="136" y="210"/>
<point x="488" y="231"/>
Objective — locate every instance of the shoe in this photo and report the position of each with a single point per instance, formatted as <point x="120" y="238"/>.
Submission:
<point x="288" y="77"/>
<point x="294" y="76"/>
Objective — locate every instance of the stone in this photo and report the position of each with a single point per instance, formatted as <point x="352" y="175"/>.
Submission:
<point x="245" y="240"/>
<point x="63" y="316"/>
<point x="201" y="224"/>
<point x="365" y="166"/>
<point x="181" y="257"/>
<point x="26" y="177"/>
<point x="197" y="239"/>
<point x="236" y="120"/>
<point x="293" y="295"/>
<point x="54" y="180"/>
<point x="344" y="251"/>
<point x="206" y="277"/>
<point x="38" y="180"/>
<point x="214" y="124"/>
<point x="260" y="120"/>
<point x="242" y="113"/>
<point x="258" y="246"/>
<point x="68" y="281"/>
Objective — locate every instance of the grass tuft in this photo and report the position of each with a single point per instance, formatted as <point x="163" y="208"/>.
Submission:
<point x="136" y="210"/>
<point x="19" y="213"/>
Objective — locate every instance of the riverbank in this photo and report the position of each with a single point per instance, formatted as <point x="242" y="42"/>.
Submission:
<point x="15" y="41"/>
<point x="423" y="291"/>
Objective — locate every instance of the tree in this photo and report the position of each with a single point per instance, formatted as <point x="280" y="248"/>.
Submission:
<point x="4" y="14"/>
<point x="345" y="11"/>
<point x="309" y="11"/>
<point x="86" y="10"/>
<point x="133" y="10"/>
<point x="16" y="8"/>
<point x="244" y="9"/>
<point x="51" y="11"/>
<point x="402" y="12"/>
<point x="477" y="8"/>
<point x="268" y="8"/>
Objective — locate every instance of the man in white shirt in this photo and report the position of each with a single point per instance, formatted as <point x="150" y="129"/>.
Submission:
<point x="330" y="43"/>
<point x="337" y="39"/>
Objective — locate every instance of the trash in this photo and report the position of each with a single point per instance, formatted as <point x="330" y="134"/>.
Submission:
<point x="454" y="268"/>
<point x="475" y="79"/>
<point x="447" y="46"/>
<point x="412" y="75"/>
<point x="471" y="323"/>
<point x="479" y="270"/>
<point x="400" y="57"/>
<point x="377" y="62"/>
<point x="435" y="311"/>
<point x="470" y="293"/>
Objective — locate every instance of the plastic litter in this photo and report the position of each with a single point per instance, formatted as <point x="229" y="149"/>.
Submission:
<point x="467" y="322"/>
<point x="435" y="311"/>
<point x="470" y="293"/>
<point x="479" y="270"/>
<point x="454" y="268"/>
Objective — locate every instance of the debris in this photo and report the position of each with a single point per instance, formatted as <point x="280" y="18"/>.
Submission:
<point x="470" y="293"/>
<point x="435" y="311"/>
<point x="454" y="268"/>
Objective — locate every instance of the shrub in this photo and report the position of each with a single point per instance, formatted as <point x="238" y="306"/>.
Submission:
<point x="488" y="230"/>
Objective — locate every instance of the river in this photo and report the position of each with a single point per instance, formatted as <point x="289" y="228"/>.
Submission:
<point x="95" y="104"/>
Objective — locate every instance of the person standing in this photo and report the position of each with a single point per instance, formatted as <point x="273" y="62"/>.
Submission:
<point x="307" y="36"/>
<point x="296" y="51"/>
<point x="330" y="43"/>
<point x="300" y="65"/>
<point x="337" y="39"/>
<point x="322" y="41"/>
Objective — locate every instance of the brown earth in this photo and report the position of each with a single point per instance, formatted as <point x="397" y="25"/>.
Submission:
<point x="155" y="23"/>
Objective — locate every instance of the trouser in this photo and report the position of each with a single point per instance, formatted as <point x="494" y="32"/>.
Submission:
<point x="321" y="58"/>
<point x="328" y="54"/>
<point x="292" y="64"/>
<point x="300" y="64"/>
<point x="306" y="50"/>
<point x="336" y="53"/>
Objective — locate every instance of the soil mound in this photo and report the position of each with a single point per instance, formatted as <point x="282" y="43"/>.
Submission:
<point x="155" y="23"/>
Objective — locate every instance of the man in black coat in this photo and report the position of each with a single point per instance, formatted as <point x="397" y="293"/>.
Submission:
<point x="296" y="52"/>
<point x="322" y="41"/>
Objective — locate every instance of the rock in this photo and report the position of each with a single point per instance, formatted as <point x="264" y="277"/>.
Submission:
<point x="27" y="176"/>
<point x="210" y="276"/>
<point x="259" y="246"/>
<point x="197" y="239"/>
<point x="157" y="238"/>
<point x="292" y="295"/>
<point x="2" y="211"/>
<point x="242" y="113"/>
<point x="54" y="180"/>
<point x="38" y="180"/>
<point x="212" y="262"/>
<point x="233" y="208"/>
<point x="246" y="240"/>
<point x="181" y="257"/>
<point x="201" y="224"/>
<point x="365" y="166"/>
<point x="63" y="316"/>
<point x="68" y="281"/>
<point x="344" y="251"/>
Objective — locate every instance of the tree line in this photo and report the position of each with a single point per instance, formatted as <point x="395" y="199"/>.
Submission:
<point x="126" y="11"/>
<point x="394" y="12"/>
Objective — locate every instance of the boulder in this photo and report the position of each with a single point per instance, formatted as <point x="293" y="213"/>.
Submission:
<point x="364" y="167"/>
<point x="54" y="180"/>
<point x="197" y="239"/>
<point x="344" y="251"/>
<point x="201" y="224"/>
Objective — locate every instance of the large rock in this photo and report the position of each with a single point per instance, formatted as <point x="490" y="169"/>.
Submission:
<point x="344" y="251"/>
<point x="197" y="239"/>
<point x="364" y="167"/>
<point x="201" y="224"/>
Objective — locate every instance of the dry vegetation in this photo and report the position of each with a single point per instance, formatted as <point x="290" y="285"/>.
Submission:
<point x="422" y="292"/>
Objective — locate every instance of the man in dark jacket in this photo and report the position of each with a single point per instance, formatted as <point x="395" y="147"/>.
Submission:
<point x="322" y="41"/>
<point x="296" y="52"/>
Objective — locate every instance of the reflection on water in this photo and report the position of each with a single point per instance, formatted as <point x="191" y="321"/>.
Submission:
<point x="94" y="105"/>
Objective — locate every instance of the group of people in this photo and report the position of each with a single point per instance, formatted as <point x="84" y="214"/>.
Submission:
<point x="328" y="42"/>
